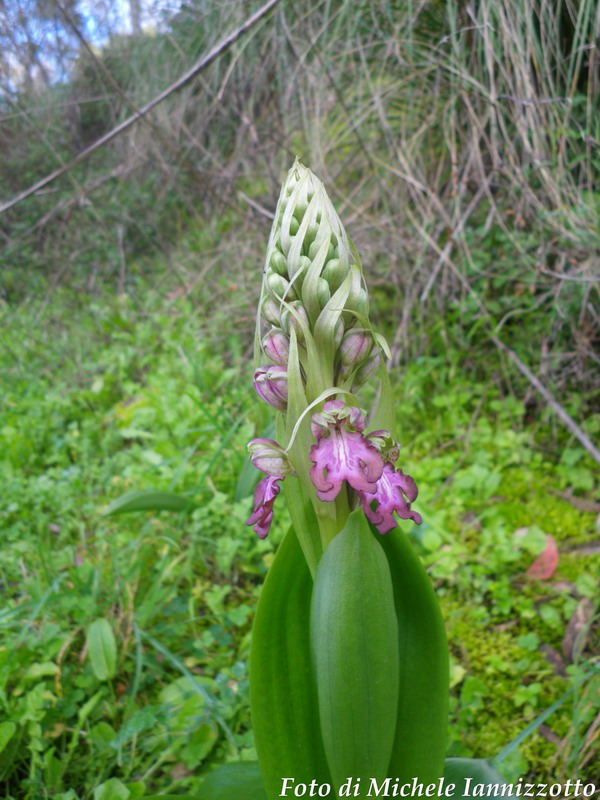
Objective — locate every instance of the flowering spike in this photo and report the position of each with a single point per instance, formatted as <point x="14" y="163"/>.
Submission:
<point x="314" y="331"/>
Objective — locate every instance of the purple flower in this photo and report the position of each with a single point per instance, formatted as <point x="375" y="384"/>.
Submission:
<point x="272" y="386"/>
<point x="342" y="453"/>
<point x="264" y="496"/>
<point x="395" y="491"/>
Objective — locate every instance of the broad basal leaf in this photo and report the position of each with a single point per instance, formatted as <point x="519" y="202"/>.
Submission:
<point x="354" y="636"/>
<point x="283" y="695"/>
<point x="420" y="741"/>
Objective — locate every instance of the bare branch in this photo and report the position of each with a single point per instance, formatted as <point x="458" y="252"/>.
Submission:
<point x="552" y="402"/>
<point x="198" y="67"/>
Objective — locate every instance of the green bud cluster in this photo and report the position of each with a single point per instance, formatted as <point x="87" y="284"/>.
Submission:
<point x="313" y="289"/>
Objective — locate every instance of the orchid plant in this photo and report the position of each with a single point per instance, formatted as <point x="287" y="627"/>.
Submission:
<point x="349" y="663"/>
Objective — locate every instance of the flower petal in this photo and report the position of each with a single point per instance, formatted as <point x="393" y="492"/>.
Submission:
<point x="344" y="456"/>
<point x="389" y="497"/>
<point x="264" y="496"/>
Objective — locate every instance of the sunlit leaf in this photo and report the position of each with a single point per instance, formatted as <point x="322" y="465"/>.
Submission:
<point x="102" y="649"/>
<point x="354" y="637"/>
<point x="283" y="695"/>
<point x="149" y="500"/>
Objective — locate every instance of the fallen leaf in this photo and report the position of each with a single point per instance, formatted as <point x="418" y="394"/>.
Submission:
<point x="580" y="503"/>
<point x="549" y="735"/>
<point x="546" y="563"/>
<point x="554" y="658"/>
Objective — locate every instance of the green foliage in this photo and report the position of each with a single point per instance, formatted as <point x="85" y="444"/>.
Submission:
<point x="124" y="663"/>
<point x="124" y="638"/>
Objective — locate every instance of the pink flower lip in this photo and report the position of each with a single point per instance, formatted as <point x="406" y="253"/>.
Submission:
<point x="342" y="454"/>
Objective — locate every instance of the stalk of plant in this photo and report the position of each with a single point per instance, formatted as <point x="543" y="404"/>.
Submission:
<point x="349" y="665"/>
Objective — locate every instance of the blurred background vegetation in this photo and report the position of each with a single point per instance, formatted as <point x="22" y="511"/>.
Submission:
<point x="460" y="144"/>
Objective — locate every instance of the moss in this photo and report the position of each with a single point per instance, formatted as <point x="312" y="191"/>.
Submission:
<point x="498" y="671"/>
<point x="530" y="501"/>
<point x="572" y="565"/>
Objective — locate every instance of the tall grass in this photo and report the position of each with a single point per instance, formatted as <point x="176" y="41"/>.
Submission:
<point x="460" y="141"/>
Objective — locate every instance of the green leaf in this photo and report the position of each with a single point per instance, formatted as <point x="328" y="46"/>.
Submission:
<point x="283" y="695"/>
<point x="420" y="741"/>
<point x="112" y="789"/>
<point x="354" y="637"/>
<point x="102" y="649"/>
<point x="239" y="781"/>
<point x="479" y="771"/>
<point x="11" y="748"/>
<point x="7" y="731"/>
<point x="149" y="500"/>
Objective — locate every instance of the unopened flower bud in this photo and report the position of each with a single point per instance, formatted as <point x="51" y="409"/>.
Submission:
<point x="278" y="287"/>
<point x="278" y="263"/>
<point x="367" y="370"/>
<point x="353" y="301"/>
<point x="270" y="310"/>
<point x="269" y="457"/>
<point x="276" y="346"/>
<point x="301" y="266"/>
<point x="291" y="319"/>
<point x="300" y="209"/>
<point x="355" y="347"/>
<point x="334" y="273"/>
<point x="362" y="303"/>
<point x="311" y="233"/>
<point x="271" y="385"/>
<point x="314" y="249"/>
<point x="323" y="292"/>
